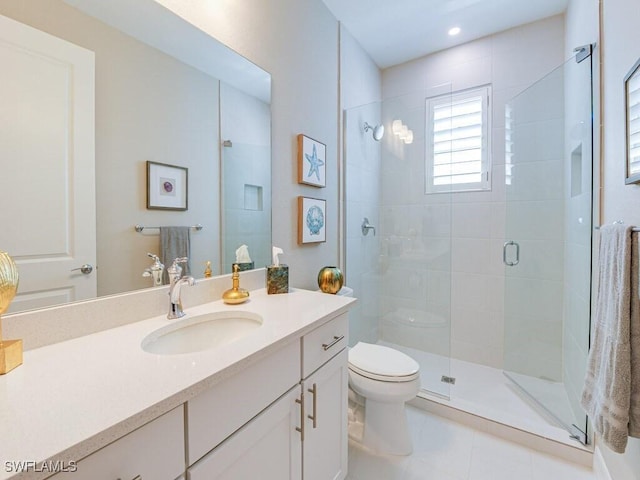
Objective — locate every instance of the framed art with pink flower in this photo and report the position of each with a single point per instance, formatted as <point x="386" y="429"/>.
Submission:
<point x="167" y="187"/>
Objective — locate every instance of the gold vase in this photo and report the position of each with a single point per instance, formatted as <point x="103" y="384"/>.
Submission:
<point x="10" y="350"/>
<point x="330" y="279"/>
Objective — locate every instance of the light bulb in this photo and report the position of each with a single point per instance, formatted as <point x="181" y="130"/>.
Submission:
<point x="454" y="31"/>
<point x="396" y="127"/>
<point x="408" y="137"/>
<point x="403" y="132"/>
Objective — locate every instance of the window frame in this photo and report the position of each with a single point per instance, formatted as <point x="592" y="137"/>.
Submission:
<point x="484" y="91"/>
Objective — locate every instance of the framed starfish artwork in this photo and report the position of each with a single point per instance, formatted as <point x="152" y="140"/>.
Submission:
<point x="312" y="158"/>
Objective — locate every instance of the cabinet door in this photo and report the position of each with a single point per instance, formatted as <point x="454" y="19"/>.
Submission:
<point x="266" y="448"/>
<point x="154" y="451"/>
<point x="325" y="442"/>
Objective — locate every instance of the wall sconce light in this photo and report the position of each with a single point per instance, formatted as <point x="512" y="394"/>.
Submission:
<point x="396" y="127"/>
<point x="402" y="131"/>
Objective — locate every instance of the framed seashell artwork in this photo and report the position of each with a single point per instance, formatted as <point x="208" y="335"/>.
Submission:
<point x="312" y="220"/>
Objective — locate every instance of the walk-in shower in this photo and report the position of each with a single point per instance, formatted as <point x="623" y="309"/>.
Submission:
<point x="489" y="288"/>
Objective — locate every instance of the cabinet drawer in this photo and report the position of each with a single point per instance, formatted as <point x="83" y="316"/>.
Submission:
<point x="215" y="414"/>
<point x="155" y="450"/>
<point x="321" y="344"/>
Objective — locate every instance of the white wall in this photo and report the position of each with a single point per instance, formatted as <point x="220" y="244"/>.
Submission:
<point x="620" y="50"/>
<point x="510" y="61"/>
<point x="360" y="90"/>
<point x="297" y="42"/>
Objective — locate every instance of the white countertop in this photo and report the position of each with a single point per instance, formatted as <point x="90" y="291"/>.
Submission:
<point x="71" y="398"/>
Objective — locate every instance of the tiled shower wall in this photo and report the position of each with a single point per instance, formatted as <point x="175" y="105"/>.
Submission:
<point x="510" y="61"/>
<point x="246" y="173"/>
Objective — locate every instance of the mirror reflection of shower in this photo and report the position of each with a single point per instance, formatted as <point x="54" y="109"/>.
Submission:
<point x="377" y="131"/>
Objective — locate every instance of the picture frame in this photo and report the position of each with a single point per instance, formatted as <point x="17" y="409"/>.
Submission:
<point x="167" y="187"/>
<point x="312" y="159"/>
<point x="632" y="124"/>
<point x="312" y="220"/>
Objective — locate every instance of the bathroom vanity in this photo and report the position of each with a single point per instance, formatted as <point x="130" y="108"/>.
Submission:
<point x="269" y="405"/>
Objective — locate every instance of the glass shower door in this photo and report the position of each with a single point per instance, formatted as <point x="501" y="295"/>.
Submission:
<point x="415" y="229"/>
<point x="401" y="272"/>
<point x="547" y="250"/>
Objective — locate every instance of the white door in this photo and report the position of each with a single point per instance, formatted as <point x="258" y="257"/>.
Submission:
<point x="47" y="184"/>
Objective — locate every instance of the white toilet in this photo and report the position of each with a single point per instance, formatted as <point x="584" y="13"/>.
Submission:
<point x="381" y="380"/>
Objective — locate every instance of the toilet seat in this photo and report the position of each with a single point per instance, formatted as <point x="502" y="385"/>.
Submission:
<point x="382" y="363"/>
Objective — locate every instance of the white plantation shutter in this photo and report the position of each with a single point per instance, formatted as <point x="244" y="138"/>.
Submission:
<point x="633" y="124"/>
<point x="458" y="142"/>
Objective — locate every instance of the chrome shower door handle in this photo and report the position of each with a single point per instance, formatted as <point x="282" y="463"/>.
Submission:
<point x="504" y="254"/>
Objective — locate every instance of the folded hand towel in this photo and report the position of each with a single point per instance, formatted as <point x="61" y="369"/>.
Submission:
<point x="609" y="384"/>
<point x="175" y="242"/>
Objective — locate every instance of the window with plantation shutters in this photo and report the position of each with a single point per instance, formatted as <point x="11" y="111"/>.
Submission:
<point x="457" y="145"/>
<point x="633" y="126"/>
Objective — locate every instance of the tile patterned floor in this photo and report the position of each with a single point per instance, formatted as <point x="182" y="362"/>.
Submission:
<point x="445" y="450"/>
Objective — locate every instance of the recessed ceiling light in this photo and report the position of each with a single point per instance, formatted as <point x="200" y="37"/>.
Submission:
<point x="454" y="31"/>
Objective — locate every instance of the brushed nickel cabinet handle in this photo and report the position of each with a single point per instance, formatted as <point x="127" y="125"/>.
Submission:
<point x="314" y="417"/>
<point x="300" y="401"/>
<point x="336" y="339"/>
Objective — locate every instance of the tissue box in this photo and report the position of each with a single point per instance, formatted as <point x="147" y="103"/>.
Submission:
<point x="278" y="279"/>
<point x="244" y="266"/>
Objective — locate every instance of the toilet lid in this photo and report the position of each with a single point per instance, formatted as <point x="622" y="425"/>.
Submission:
<point x="382" y="363"/>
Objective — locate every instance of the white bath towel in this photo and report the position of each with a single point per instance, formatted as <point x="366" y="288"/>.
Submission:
<point x="611" y="395"/>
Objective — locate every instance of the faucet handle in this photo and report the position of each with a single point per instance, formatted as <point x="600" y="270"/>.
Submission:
<point x="175" y="270"/>
<point x="177" y="261"/>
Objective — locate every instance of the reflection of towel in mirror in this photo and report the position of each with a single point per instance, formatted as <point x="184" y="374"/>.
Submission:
<point x="174" y="242"/>
<point x="611" y="395"/>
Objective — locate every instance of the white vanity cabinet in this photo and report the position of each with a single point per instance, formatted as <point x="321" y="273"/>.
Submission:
<point x="217" y="413"/>
<point x="325" y="441"/>
<point x="266" y="448"/>
<point x="153" y="451"/>
<point x="284" y="418"/>
<point x="325" y="386"/>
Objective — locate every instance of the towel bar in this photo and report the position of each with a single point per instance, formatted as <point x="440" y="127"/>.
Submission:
<point x="140" y="228"/>
<point x="635" y="229"/>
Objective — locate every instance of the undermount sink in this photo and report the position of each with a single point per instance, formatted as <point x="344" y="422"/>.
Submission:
<point x="201" y="332"/>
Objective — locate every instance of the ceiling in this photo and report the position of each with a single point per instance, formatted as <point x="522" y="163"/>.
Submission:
<point x="396" y="31"/>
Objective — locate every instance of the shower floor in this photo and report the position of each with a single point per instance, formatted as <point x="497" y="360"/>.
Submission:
<point x="488" y="393"/>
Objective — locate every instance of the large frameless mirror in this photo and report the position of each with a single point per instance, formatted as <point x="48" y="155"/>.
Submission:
<point x="92" y="91"/>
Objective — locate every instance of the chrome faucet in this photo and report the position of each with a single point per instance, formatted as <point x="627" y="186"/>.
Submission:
<point x="176" y="280"/>
<point x="154" y="270"/>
